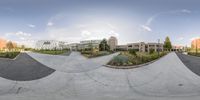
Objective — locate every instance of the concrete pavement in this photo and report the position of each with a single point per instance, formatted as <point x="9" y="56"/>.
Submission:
<point x="74" y="63"/>
<point x="165" y="79"/>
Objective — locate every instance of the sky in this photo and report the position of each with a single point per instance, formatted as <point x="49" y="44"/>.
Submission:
<point x="26" y="21"/>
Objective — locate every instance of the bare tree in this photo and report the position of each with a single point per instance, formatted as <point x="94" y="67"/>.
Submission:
<point x="9" y="45"/>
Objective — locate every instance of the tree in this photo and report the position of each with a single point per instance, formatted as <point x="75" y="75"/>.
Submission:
<point x="23" y="47"/>
<point x="167" y="44"/>
<point x="103" y="46"/>
<point x="9" y="45"/>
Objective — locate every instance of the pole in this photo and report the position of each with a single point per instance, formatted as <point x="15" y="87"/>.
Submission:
<point x="196" y="46"/>
<point x="158" y="47"/>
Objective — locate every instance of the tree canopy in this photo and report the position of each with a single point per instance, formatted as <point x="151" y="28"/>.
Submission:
<point x="103" y="46"/>
<point x="167" y="43"/>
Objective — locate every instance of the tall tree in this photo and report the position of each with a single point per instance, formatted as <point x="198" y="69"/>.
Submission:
<point x="167" y="44"/>
<point x="9" y="45"/>
<point x="103" y="46"/>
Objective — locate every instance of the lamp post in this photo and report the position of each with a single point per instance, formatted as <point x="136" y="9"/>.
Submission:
<point x="196" y="46"/>
<point x="158" y="47"/>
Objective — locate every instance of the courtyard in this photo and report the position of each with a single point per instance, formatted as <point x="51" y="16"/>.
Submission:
<point x="35" y="76"/>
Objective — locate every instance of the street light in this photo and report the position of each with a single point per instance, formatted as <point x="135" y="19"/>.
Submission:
<point x="158" y="47"/>
<point x="196" y="46"/>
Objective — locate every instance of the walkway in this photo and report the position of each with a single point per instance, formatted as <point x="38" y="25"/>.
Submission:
<point x="165" y="79"/>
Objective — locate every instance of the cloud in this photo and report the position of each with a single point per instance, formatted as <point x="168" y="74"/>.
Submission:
<point x="31" y="26"/>
<point x="185" y="11"/>
<point x="20" y="37"/>
<point x="19" y="34"/>
<point x="193" y="38"/>
<point x="85" y="34"/>
<point x="50" y="24"/>
<point x="152" y="18"/>
<point x="180" y="38"/>
<point x="113" y="33"/>
<point x="146" y="28"/>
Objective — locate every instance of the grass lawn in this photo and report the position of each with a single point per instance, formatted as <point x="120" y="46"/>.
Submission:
<point x="90" y="54"/>
<point x="10" y="55"/>
<point x="51" y="52"/>
<point x="125" y="58"/>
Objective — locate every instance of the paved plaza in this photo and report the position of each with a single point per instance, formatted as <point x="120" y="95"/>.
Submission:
<point x="75" y="77"/>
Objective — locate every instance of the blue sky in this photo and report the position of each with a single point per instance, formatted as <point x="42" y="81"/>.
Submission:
<point x="26" y="21"/>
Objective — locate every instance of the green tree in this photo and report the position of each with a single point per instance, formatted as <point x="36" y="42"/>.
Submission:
<point x="103" y="46"/>
<point x="167" y="44"/>
<point x="9" y="45"/>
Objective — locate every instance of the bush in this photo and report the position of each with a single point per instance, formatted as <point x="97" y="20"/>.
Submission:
<point x="52" y="52"/>
<point x="194" y="54"/>
<point x="119" y="60"/>
<point x="9" y="54"/>
<point x="151" y="51"/>
<point x="127" y="59"/>
<point x="91" y="54"/>
<point x="133" y="52"/>
<point x="86" y="52"/>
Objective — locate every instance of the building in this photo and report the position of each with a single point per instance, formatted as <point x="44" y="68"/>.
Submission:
<point x="73" y="46"/>
<point x="155" y="46"/>
<point x="121" y="47"/>
<point x="142" y="47"/>
<point x="137" y="46"/>
<point x="88" y="44"/>
<point x="2" y="43"/>
<point x="178" y="48"/>
<point x="195" y="44"/>
<point x="112" y="42"/>
<point x="50" y="45"/>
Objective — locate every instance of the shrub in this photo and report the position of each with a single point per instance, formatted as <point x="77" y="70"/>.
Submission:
<point x="9" y="54"/>
<point x="127" y="59"/>
<point x="133" y="52"/>
<point x="151" y="51"/>
<point x="119" y="60"/>
<point x="194" y="54"/>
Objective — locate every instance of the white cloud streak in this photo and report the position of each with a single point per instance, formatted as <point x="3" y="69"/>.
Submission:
<point x="50" y="24"/>
<point x="146" y="26"/>
<point x="31" y="26"/>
